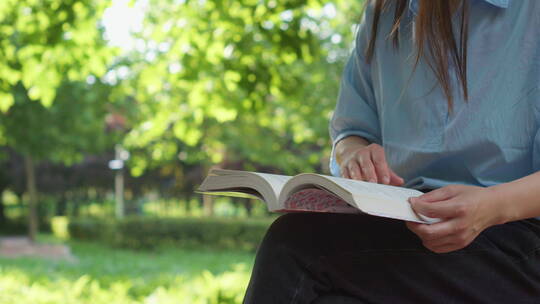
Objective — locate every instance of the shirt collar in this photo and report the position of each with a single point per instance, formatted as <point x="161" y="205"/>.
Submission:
<point x="413" y="4"/>
<point x="499" y="3"/>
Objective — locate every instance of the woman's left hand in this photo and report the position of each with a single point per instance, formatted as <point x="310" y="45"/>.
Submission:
<point x="465" y="212"/>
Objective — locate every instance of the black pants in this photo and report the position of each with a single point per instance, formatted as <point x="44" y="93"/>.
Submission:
<point x="378" y="260"/>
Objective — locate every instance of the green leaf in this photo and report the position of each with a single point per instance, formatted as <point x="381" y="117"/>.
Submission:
<point x="6" y="101"/>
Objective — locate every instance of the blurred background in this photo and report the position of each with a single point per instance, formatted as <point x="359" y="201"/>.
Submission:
<point x="113" y="111"/>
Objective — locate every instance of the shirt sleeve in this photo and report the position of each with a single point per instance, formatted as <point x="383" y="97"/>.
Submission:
<point x="356" y="111"/>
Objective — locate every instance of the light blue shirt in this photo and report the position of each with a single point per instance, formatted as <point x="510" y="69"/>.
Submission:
<point x="493" y="138"/>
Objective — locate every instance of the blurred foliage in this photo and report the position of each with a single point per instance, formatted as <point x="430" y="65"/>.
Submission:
<point x="74" y="125"/>
<point x="206" y="288"/>
<point x="144" y="233"/>
<point x="18" y="226"/>
<point x="50" y="48"/>
<point x="213" y="81"/>
<point x="44" y="42"/>
<point x="245" y="84"/>
<point x="248" y="81"/>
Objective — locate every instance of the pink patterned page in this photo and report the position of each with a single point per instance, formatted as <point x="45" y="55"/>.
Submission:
<point x="316" y="200"/>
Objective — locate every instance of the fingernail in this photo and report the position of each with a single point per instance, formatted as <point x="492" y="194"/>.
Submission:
<point x="371" y="180"/>
<point x="386" y="179"/>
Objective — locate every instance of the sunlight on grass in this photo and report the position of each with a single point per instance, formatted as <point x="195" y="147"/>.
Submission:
<point x="17" y="286"/>
<point x="105" y="275"/>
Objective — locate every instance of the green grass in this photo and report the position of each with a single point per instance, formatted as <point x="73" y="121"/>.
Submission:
<point x="106" y="275"/>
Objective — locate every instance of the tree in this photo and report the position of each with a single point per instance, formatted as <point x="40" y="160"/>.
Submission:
<point x="49" y="49"/>
<point x="250" y="81"/>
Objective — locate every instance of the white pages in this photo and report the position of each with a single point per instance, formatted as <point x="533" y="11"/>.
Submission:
<point x="371" y="198"/>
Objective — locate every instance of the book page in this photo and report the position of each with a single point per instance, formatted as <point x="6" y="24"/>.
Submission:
<point x="239" y="178"/>
<point x="368" y="196"/>
<point x="374" y="190"/>
<point x="276" y="181"/>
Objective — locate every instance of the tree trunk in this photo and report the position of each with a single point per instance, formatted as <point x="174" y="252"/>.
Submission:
<point x="248" y="204"/>
<point x="2" y="211"/>
<point x="208" y="200"/>
<point x="76" y="207"/>
<point x="61" y="205"/>
<point x="208" y="205"/>
<point x="119" y="193"/>
<point x="32" y="197"/>
<point x="187" y="204"/>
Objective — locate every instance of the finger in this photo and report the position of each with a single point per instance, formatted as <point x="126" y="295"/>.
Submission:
<point x="441" y="209"/>
<point x="354" y="170"/>
<point x="418" y="229"/>
<point x="395" y="180"/>
<point x="440" y="194"/>
<point x="437" y="231"/>
<point x="442" y="244"/>
<point x="413" y="226"/>
<point x="345" y="172"/>
<point x="366" y="167"/>
<point x="381" y="167"/>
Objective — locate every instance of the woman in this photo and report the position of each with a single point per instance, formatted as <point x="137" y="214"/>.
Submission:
<point x="440" y="95"/>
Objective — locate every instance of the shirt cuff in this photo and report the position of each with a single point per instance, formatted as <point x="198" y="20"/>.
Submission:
<point x="334" y="167"/>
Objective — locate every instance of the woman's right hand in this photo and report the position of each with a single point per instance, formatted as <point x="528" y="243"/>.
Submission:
<point x="360" y="160"/>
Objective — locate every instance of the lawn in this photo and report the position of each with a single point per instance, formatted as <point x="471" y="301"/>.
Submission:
<point x="106" y="275"/>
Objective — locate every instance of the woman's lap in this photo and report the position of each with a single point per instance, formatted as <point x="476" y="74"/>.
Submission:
<point x="379" y="260"/>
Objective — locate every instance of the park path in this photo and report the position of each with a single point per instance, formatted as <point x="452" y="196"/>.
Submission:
<point x="15" y="247"/>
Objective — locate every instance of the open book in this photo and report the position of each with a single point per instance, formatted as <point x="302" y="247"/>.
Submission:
<point x="315" y="193"/>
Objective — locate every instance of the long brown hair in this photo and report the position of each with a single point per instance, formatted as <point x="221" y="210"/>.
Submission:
<point x="434" y="38"/>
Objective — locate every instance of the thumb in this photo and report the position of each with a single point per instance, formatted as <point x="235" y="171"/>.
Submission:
<point x="439" y="194"/>
<point x="441" y="209"/>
